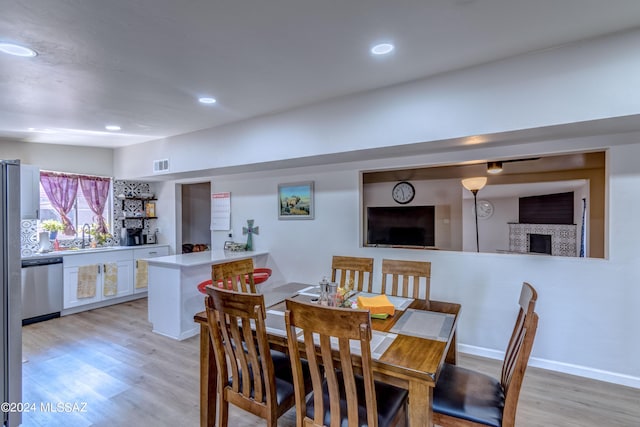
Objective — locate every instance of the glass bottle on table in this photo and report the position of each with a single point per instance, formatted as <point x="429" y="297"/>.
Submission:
<point x="333" y="294"/>
<point x="324" y="291"/>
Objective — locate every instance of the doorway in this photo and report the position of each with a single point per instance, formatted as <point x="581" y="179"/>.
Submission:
<point x="196" y="216"/>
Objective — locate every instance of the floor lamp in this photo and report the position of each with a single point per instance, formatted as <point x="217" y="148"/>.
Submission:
<point x="474" y="185"/>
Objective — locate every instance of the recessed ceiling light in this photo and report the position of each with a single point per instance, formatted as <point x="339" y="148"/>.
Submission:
<point x="17" y="50"/>
<point x="382" y="49"/>
<point x="112" y="127"/>
<point x="207" y="100"/>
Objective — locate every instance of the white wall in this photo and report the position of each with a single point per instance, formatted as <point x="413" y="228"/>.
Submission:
<point x="587" y="307"/>
<point x="60" y="158"/>
<point x="493" y="232"/>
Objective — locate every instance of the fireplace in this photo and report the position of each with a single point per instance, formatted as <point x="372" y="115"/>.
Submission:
<point x="552" y="239"/>
<point x="540" y="243"/>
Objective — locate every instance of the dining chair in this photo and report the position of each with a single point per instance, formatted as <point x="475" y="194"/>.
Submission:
<point x="465" y="398"/>
<point x="357" y="270"/>
<point x="412" y="275"/>
<point x="236" y="275"/>
<point x="250" y="375"/>
<point x="340" y="397"/>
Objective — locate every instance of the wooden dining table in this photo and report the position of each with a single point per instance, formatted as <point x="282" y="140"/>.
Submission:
<point x="411" y="361"/>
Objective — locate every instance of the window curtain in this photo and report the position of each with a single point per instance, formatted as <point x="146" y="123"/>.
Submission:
<point x="61" y="189"/>
<point x="96" y="191"/>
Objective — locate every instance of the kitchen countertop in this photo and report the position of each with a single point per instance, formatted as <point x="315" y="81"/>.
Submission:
<point x="69" y="252"/>
<point x="202" y="258"/>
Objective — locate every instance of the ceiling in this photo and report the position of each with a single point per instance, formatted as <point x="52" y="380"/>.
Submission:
<point x="142" y="64"/>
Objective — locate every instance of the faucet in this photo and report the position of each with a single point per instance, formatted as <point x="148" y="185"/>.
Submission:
<point x="88" y="228"/>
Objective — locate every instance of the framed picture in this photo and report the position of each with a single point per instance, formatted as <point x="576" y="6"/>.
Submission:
<point x="295" y="200"/>
<point x="150" y="209"/>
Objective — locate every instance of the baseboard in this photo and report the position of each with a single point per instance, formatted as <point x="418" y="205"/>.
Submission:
<point x="552" y="365"/>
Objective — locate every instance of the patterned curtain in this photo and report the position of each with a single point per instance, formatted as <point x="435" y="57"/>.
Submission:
<point x="96" y="191"/>
<point x="61" y="189"/>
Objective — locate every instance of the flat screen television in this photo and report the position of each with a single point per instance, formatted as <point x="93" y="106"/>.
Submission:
<point x="401" y="226"/>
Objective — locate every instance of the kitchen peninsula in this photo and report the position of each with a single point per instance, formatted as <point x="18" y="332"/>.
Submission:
<point x="173" y="294"/>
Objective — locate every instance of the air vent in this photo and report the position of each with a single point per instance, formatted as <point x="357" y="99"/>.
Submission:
<point x="160" y="166"/>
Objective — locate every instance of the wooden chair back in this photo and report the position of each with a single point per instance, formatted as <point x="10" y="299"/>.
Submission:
<point x="340" y="326"/>
<point x="236" y="275"/>
<point x="518" y="352"/>
<point x="359" y="271"/>
<point x="483" y="398"/>
<point x="408" y="278"/>
<point x="241" y="356"/>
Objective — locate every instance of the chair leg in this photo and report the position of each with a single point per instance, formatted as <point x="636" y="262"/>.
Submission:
<point x="223" y="413"/>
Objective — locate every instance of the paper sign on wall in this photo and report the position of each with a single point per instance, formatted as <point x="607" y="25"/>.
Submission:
<point x="221" y="211"/>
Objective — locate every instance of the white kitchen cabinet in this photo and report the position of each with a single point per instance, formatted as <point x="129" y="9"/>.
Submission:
<point x="29" y="192"/>
<point x="123" y="260"/>
<point x="70" y="291"/>
<point x="147" y="252"/>
<point x="125" y="280"/>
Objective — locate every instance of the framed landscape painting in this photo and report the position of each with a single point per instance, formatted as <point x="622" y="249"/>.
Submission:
<point x="295" y="200"/>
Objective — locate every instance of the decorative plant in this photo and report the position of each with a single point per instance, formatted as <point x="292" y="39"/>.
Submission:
<point x="52" y="225"/>
<point x="100" y="238"/>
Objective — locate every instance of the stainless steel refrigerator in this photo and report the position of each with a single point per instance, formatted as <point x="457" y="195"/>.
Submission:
<point x="11" y="307"/>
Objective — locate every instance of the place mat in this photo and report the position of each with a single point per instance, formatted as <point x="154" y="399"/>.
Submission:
<point x="425" y="324"/>
<point x="278" y="294"/>
<point x="400" y="303"/>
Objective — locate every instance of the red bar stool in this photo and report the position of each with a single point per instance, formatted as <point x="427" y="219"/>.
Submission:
<point x="260" y="275"/>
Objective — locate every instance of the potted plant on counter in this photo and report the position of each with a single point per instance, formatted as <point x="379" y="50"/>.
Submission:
<point x="52" y="226"/>
<point x="99" y="238"/>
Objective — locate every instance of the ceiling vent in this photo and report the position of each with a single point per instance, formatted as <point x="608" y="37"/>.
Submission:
<point x="160" y="166"/>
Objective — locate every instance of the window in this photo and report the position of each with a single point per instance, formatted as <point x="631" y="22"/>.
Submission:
<point x="80" y="213"/>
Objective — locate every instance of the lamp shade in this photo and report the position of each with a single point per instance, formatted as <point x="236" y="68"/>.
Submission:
<point x="474" y="184"/>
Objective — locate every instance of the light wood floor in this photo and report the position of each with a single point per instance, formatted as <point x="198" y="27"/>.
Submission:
<point x="127" y="375"/>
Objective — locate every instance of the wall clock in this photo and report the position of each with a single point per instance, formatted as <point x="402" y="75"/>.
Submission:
<point x="403" y="192"/>
<point x="485" y="209"/>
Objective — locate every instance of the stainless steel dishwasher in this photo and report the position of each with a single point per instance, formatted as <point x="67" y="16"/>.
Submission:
<point x="41" y="289"/>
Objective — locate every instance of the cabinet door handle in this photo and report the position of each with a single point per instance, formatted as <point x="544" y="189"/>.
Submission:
<point x="99" y="268"/>
<point x="153" y="253"/>
<point x="136" y="263"/>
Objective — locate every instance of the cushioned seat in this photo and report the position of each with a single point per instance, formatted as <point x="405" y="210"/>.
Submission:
<point x="465" y="398"/>
<point x="470" y="395"/>
<point x="283" y="377"/>
<point x="389" y="399"/>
